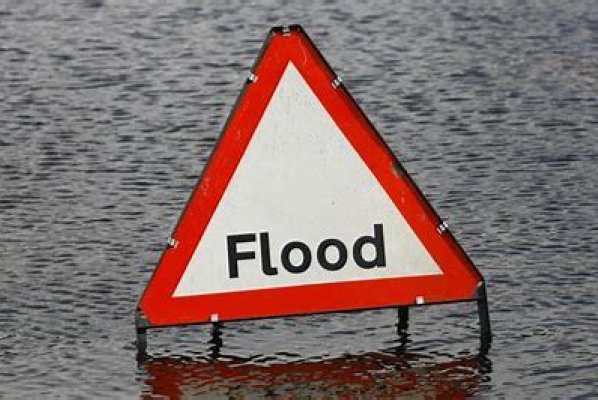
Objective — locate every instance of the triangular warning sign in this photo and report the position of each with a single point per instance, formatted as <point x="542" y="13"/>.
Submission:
<point x="302" y="208"/>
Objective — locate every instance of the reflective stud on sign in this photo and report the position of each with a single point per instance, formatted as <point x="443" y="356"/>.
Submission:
<point x="300" y="210"/>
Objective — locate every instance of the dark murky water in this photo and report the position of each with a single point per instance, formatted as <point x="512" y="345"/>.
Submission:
<point x="109" y="110"/>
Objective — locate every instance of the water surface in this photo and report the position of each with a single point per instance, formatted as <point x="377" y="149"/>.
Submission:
<point x="109" y="110"/>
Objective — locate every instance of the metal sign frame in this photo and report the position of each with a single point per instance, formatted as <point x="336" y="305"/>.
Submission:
<point x="158" y="297"/>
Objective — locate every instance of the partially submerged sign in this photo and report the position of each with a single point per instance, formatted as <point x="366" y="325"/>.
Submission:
<point x="303" y="208"/>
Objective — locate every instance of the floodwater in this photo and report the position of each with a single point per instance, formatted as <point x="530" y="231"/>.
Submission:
<point x="109" y="109"/>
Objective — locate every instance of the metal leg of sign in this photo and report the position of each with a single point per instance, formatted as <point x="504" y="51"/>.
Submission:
<point x="403" y="323"/>
<point x="402" y="327"/>
<point x="484" y="315"/>
<point x="216" y="340"/>
<point x="141" y="341"/>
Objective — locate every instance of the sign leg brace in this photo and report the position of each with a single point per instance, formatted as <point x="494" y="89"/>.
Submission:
<point x="484" y="315"/>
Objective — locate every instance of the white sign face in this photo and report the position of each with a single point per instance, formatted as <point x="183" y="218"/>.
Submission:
<point x="302" y="208"/>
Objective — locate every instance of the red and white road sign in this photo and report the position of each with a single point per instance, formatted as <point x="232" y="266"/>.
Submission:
<point x="302" y="208"/>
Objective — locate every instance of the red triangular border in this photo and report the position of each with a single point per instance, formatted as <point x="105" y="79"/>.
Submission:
<point x="460" y="278"/>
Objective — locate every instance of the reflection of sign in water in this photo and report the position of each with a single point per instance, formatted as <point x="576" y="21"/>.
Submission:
<point x="373" y="375"/>
<point x="302" y="208"/>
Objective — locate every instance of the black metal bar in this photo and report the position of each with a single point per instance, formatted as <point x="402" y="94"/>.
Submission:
<point x="141" y="342"/>
<point x="402" y="328"/>
<point x="141" y="326"/>
<point x="216" y="340"/>
<point x="403" y="323"/>
<point x="484" y="315"/>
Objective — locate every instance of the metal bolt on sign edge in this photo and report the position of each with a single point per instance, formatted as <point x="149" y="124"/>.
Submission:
<point x="442" y="227"/>
<point x="337" y="82"/>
